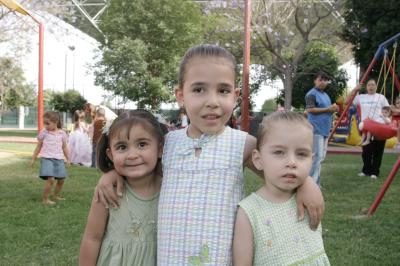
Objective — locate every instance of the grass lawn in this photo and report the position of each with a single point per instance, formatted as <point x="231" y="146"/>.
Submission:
<point x="19" y="133"/>
<point x="33" y="234"/>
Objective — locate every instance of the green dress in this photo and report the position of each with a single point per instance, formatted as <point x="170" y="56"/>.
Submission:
<point x="278" y="238"/>
<point x="131" y="234"/>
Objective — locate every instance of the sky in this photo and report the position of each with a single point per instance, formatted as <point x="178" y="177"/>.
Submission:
<point x="69" y="56"/>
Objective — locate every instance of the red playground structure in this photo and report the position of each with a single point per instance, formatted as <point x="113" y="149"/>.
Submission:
<point x="381" y="131"/>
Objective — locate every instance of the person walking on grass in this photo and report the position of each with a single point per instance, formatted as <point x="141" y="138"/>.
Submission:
<point x="52" y="146"/>
<point x="319" y="109"/>
<point x="263" y="236"/>
<point x="132" y="147"/>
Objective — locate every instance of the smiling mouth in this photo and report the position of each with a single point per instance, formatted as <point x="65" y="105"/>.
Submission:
<point x="211" y="117"/>
<point x="133" y="165"/>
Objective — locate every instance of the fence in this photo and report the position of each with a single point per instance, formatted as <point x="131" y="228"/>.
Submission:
<point x="11" y="118"/>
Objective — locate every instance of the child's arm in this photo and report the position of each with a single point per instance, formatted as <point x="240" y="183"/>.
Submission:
<point x="242" y="240"/>
<point x="36" y="151"/>
<point x="66" y="152"/>
<point x="105" y="192"/>
<point x="93" y="235"/>
<point x="308" y="194"/>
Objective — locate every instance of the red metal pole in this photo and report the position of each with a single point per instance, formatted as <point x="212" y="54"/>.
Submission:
<point x="244" y="124"/>
<point x="385" y="186"/>
<point x="40" y="79"/>
<point x="363" y="79"/>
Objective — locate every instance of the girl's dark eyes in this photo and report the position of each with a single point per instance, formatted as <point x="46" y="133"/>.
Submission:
<point x="198" y="89"/>
<point x="142" y="144"/>
<point x="120" y="147"/>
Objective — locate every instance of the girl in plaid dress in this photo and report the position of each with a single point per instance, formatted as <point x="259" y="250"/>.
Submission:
<point x="203" y="166"/>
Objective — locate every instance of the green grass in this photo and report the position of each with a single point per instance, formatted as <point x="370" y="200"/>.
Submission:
<point x="19" y="133"/>
<point x="33" y="234"/>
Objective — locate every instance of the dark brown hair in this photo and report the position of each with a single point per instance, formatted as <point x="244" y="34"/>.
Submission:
<point x="204" y="50"/>
<point x="126" y="121"/>
<point x="387" y="108"/>
<point x="54" y="117"/>
<point x="268" y="123"/>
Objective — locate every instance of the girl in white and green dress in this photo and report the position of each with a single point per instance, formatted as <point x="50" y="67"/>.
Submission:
<point x="267" y="231"/>
<point x="128" y="235"/>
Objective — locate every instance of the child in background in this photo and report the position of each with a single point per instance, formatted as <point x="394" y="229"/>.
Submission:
<point x="52" y="146"/>
<point x="203" y="167"/>
<point x="98" y="124"/>
<point x="267" y="231"/>
<point x="127" y="236"/>
<point x="79" y="144"/>
<point x="385" y="115"/>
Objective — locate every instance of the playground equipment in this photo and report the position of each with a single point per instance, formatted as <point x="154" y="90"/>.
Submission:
<point x="389" y="65"/>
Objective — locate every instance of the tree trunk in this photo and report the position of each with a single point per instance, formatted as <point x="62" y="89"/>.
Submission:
<point x="288" y="87"/>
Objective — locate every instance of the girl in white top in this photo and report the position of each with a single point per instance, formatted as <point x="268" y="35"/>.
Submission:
<point x="79" y="144"/>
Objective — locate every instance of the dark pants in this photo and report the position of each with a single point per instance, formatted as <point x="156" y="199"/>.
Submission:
<point x="94" y="147"/>
<point x="372" y="157"/>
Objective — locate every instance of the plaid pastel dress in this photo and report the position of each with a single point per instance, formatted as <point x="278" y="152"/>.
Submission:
<point x="279" y="238"/>
<point x="199" y="197"/>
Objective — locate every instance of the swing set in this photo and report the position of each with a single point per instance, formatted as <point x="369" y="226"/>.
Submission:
<point x="378" y="130"/>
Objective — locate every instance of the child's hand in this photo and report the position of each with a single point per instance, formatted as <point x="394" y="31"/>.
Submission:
<point x="68" y="163"/>
<point x="32" y="162"/>
<point x="310" y="196"/>
<point x="105" y="192"/>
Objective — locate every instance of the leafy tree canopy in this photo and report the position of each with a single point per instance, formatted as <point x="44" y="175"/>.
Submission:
<point x="269" y="105"/>
<point x="368" y="24"/>
<point x="318" y="57"/>
<point x="68" y="101"/>
<point x="145" y="41"/>
<point x="14" y="91"/>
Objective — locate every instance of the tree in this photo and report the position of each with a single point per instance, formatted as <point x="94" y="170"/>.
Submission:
<point x="14" y="28"/>
<point x="368" y="24"/>
<point x="269" y="105"/>
<point x="318" y="56"/>
<point x="144" y="43"/>
<point x="281" y="31"/>
<point x="68" y="101"/>
<point x="14" y="91"/>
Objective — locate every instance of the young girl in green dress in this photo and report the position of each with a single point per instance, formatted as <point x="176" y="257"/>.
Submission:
<point x="267" y="231"/>
<point x="127" y="236"/>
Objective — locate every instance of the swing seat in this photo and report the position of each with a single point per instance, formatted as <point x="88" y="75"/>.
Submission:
<point x="379" y="130"/>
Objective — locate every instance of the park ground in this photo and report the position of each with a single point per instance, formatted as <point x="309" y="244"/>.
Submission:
<point x="34" y="234"/>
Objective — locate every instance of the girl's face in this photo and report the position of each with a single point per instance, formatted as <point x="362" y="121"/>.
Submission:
<point x="371" y="87"/>
<point x="285" y="157"/>
<point x="49" y="125"/>
<point x="397" y="104"/>
<point x="208" y="94"/>
<point x="136" y="157"/>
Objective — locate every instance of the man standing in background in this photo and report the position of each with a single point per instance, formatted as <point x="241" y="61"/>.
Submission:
<point x="319" y="113"/>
